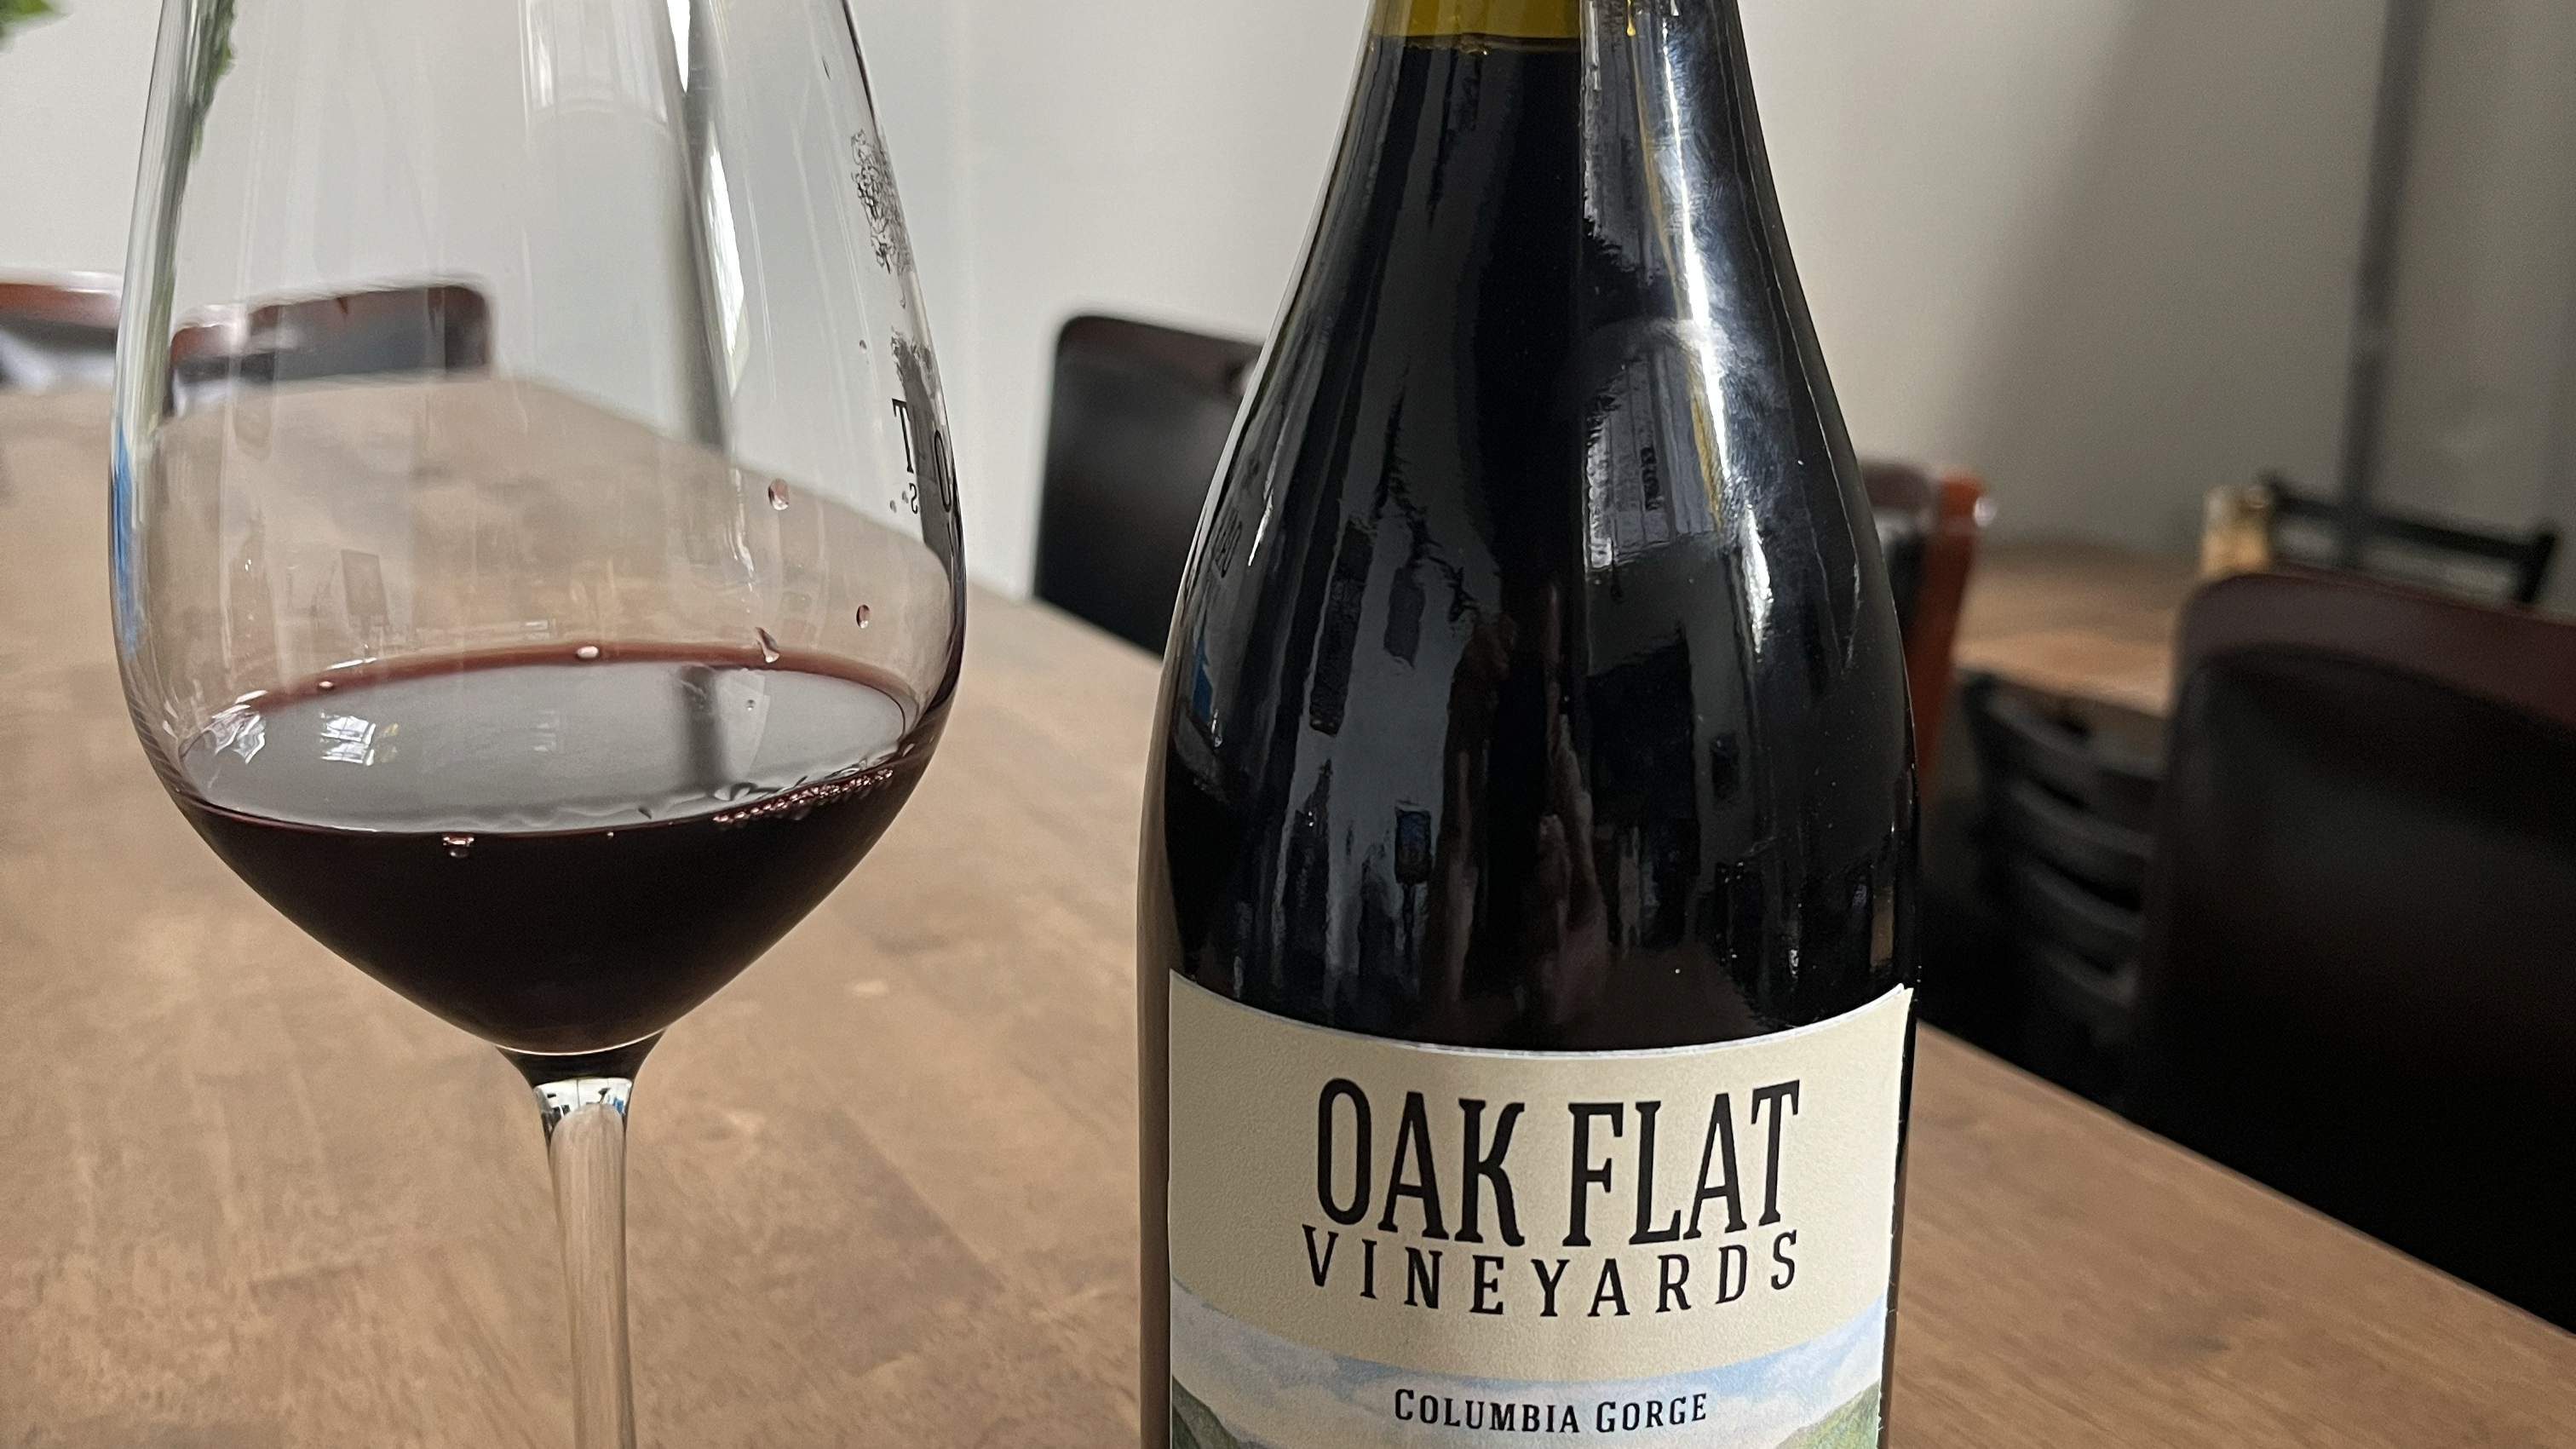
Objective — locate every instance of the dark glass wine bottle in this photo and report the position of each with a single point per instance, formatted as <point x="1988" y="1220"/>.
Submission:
<point x="1526" y="978"/>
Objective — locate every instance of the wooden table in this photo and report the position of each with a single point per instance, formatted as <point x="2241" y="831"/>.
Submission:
<point x="2083" y="621"/>
<point x="882" y="1188"/>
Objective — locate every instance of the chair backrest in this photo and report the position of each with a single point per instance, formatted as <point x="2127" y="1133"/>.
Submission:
<point x="2409" y="547"/>
<point x="1928" y="524"/>
<point x="1137" y="425"/>
<point x="2065" y="843"/>
<point x="2359" y="980"/>
<point x="57" y="330"/>
<point x="443" y="327"/>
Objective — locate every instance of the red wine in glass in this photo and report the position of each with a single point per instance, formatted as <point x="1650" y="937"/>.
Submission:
<point x="560" y="852"/>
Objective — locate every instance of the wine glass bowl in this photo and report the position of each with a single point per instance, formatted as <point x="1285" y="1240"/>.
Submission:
<point x="535" y="547"/>
<point x="510" y="701"/>
<point x="468" y="344"/>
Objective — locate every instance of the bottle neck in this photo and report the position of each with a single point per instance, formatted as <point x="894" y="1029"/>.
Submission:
<point x="1584" y="181"/>
<point x="1512" y="19"/>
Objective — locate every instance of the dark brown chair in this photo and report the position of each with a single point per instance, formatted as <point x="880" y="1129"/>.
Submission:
<point x="2359" y="975"/>
<point x="57" y="330"/>
<point x="438" y="328"/>
<point x="1927" y="528"/>
<point x="1139" y="420"/>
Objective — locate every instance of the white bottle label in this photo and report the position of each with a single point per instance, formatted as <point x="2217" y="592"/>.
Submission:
<point x="1380" y="1243"/>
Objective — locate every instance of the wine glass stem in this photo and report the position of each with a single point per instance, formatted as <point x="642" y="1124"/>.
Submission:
<point x="585" y="1121"/>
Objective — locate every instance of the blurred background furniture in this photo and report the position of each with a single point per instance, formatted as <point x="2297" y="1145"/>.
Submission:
<point x="2357" y="982"/>
<point x="445" y="327"/>
<point x="2236" y="530"/>
<point x="1137" y="424"/>
<point x="2036" y="918"/>
<point x="2078" y="620"/>
<point x="57" y="329"/>
<point x="1928" y="525"/>
<point x="2037" y="815"/>
<point x="2302" y="528"/>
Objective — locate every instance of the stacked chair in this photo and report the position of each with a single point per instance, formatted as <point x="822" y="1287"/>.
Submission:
<point x="2060" y="845"/>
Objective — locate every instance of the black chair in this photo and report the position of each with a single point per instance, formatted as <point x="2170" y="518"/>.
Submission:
<point x="2359" y="977"/>
<point x="2063" y="840"/>
<point x="1139" y="420"/>
<point x="2308" y="530"/>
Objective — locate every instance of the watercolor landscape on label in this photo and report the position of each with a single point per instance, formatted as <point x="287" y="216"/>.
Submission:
<point x="1235" y="1386"/>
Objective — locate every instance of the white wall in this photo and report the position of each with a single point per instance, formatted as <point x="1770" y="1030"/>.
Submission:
<point x="2101" y="250"/>
<point x="71" y="124"/>
<point x="1153" y="158"/>
<point x="2481" y="408"/>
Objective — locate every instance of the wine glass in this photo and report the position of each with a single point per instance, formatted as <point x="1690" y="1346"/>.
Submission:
<point x="535" y="546"/>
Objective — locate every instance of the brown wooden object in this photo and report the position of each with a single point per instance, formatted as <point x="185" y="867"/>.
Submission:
<point x="2516" y="658"/>
<point x="67" y="299"/>
<point x="57" y="329"/>
<point x="1944" y="510"/>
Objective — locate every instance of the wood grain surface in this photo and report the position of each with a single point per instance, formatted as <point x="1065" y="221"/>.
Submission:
<point x="2085" y="621"/>
<point x="882" y="1186"/>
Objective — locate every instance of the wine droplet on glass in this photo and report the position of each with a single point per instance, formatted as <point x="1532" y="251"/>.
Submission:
<point x="768" y="647"/>
<point x="326" y="684"/>
<point x="778" y="496"/>
<point x="863" y="616"/>
<point x="586" y="653"/>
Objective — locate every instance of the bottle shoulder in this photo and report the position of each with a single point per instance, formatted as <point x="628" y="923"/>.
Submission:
<point x="1536" y="681"/>
<point x="1607" y="820"/>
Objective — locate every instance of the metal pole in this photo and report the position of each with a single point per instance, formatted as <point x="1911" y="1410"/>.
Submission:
<point x="2392" y="150"/>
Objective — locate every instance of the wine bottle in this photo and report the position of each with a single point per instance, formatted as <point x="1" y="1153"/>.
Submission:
<point x="1526" y="982"/>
